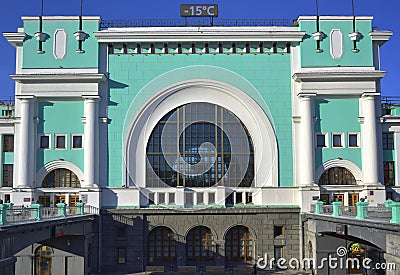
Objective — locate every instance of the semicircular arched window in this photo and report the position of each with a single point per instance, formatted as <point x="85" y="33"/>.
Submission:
<point x="61" y="178"/>
<point x="337" y="176"/>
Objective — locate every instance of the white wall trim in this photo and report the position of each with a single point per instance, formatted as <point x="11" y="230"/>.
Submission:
<point x="57" y="164"/>
<point x="352" y="167"/>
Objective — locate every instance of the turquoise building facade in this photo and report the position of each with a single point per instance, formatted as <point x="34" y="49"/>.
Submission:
<point x="292" y="115"/>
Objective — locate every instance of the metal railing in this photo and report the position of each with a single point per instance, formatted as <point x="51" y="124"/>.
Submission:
<point x="195" y="22"/>
<point x="327" y="209"/>
<point x="21" y="214"/>
<point x="378" y="212"/>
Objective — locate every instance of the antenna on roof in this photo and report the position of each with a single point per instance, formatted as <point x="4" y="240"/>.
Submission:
<point x="40" y="35"/>
<point x="80" y="35"/>
<point x="355" y="35"/>
<point x="318" y="35"/>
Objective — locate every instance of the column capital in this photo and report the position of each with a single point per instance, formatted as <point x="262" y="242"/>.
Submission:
<point x="303" y="96"/>
<point x="370" y="95"/>
<point x="91" y="98"/>
<point x="26" y="98"/>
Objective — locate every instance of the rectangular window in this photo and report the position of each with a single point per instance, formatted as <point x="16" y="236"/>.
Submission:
<point x="353" y="140"/>
<point x="161" y="198"/>
<point x="44" y="142"/>
<point x="388" y="173"/>
<point x="8" y="143"/>
<point x="151" y="198"/>
<point x="44" y="201"/>
<point x="239" y="197"/>
<point x="321" y="140"/>
<point x="337" y="140"/>
<point x="249" y="197"/>
<point x="60" y="142"/>
<point x="7" y="175"/>
<point x="77" y="142"/>
<point x="278" y="231"/>
<point x="171" y="198"/>
<point x="211" y="198"/>
<point x="200" y="198"/>
<point x="388" y="141"/>
<point x="121" y="255"/>
<point x="188" y="198"/>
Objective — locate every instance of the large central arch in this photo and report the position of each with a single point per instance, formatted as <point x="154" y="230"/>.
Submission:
<point x="208" y="91"/>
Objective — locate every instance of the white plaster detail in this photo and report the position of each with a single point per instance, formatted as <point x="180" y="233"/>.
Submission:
<point x="60" y="44"/>
<point x="352" y="167"/>
<point x="57" y="164"/>
<point x="336" y="43"/>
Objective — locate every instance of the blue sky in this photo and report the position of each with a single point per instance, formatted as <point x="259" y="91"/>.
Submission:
<point x="385" y="12"/>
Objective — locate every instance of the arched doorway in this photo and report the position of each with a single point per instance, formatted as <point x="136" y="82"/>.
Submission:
<point x="239" y="244"/>
<point x="161" y="245"/>
<point x="43" y="260"/>
<point x="60" y="178"/>
<point x="200" y="245"/>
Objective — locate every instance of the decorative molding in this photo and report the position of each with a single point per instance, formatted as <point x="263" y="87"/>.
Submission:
<point x="296" y="119"/>
<point x="57" y="164"/>
<point x="345" y="75"/>
<point x="390" y="119"/>
<point x="336" y="45"/>
<point x="353" y="168"/>
<point x="335" y="18"/>
<point x="15" y="38"/>
<point x="380" y="36"/>
<point x="59" y="78"/>
<point x="60" y="43"/>
<point x="61" y="18"/>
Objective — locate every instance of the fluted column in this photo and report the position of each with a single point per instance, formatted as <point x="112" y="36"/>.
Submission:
<point x="370" y="140"/>
<point x="25" y="144"/>
<point x="306" y="140"/>
<point x="91" y="147"/>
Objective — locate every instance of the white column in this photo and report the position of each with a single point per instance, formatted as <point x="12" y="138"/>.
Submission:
<point x="1" y="159"/>
<point x="26" y="142"/>
<point x="91" y="147"/>
<point x="370" y="156"/>
<point x="306" y="140"/>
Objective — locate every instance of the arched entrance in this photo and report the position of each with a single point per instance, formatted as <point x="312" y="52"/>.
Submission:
<point x="43" y="260"/>
<point x="239" y="245"/>
<point x="200" y="245"/>
<point x="161" y="245"/>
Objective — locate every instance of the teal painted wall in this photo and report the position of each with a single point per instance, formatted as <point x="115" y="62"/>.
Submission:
<point x="31" y="59"/>
<point x="310" y="58"/>
<point x="60" y="117"/>
<point x="337" y="116"/>
<point x="8" y="157"/>
<point x="269" y="74"/>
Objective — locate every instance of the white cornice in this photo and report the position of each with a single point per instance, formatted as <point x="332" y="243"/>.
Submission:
<point x="14" y="38"/>
<point x="58" y="78"/>
<point x="190" y="34"/>
<point x="380" y="36"/>
<point x="390" y="119"/>
<point x="335" y="18"/>
<point x="61" y="18"/>
<point x="329" y="75"/>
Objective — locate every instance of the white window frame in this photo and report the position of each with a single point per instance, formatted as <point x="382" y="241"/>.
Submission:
<point x="326" y="139"/>
<point x="72" y="141"/>
<point x="358" y="139"/>
<point x="39" y="141"/>
<point x="341" y="140"/>
<point x="55" y="141"/>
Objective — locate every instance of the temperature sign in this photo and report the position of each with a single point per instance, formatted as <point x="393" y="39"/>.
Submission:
<point x="199" y="10"/>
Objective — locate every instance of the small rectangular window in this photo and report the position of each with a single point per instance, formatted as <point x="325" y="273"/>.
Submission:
<point x="44" y="142"/>
<point x="161" y="198"/>
<point x="60" y="142"/>
<point x="188" y="198"/>
<point x="388" y="141"/>
<point x="278" y="231"/>
<point x="8" y="143"/>
<point x="388" y="173"/>
<point x="211" y="198"/>
<point x="200" y="197"/>
<point x="239" y="197"/>
<point x="321" y="140"/>
<point x="77" y="142"/>
<point x="249" y="197"/>
<point x="7" y="175"/>
<point x="171" y="198"/>
<point x="151" y="198"/>
<point x="121" y="255"/>
<point x="353" y="140"/>
<point x="337" y="140"/>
